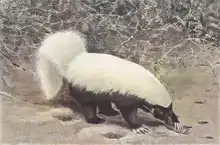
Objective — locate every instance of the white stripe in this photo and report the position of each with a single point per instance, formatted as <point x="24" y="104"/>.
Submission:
<point x="103" y="72"/>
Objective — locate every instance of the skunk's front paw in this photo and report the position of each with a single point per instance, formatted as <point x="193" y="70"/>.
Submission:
<point x="179" y="128"/>
<point x="143" y="129"/>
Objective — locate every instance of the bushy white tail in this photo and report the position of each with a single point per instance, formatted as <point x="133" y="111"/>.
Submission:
<point x="54" y="55"/>
<point x="50" y="78"/>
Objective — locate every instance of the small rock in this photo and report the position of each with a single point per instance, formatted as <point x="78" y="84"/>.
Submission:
<point x="203" y="122"/>
<point x="199" y="102"/>
<point x="111" y="135"/>
<point x="64" y="114"/>
<point x="209" y="137"/>
<point x="208" y="90"/>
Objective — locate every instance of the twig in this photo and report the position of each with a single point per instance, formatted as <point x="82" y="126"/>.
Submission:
<point x="5" y="94"/>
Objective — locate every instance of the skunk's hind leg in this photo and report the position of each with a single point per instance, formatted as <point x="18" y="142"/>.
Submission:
<point x="88" y="106"/>
<point x="89" y="112"/>
<point x="105" y="107"/>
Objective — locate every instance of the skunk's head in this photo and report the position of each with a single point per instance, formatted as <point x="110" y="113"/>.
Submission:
<point x="166" y="115"/>
<point x="172" y="121"/>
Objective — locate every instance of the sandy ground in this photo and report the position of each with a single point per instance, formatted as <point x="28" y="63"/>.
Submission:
<point x="195" y="101"/>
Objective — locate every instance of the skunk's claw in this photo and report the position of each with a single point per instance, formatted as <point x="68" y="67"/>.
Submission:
<point x="141" y="130"/>
<point x="179" y="128"/>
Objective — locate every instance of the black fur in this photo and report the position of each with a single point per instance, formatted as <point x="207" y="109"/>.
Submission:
<point x="127" y="103"/>
<point x="105" y="107"/>
<point x="165" y="114"/>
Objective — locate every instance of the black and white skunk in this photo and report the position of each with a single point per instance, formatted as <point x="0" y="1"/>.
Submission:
<point x="97" y="79"/>
<point x="53" y="59"/>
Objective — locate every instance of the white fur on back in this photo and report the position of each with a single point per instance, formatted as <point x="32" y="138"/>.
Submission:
<point x="54" y="56"/>
<point x="103" y="72"/>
